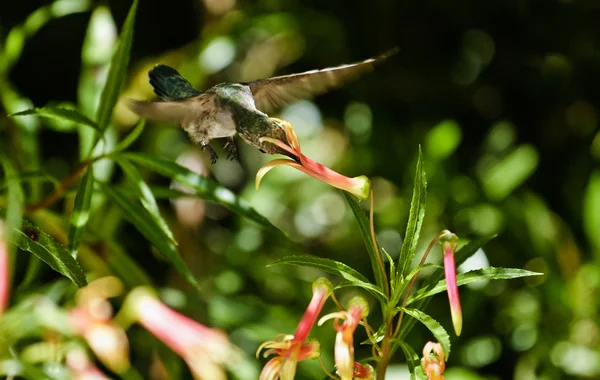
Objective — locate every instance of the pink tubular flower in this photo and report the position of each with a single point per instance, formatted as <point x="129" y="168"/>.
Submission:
<point x="4" y="270"/>
<point x="290" y="349"/>
<point x="204" y="349"/>
<point x="344" y="340"/>
<point x="359" y="186"/>
<point x="82" y="368"/>
<point x="449" y="241"/>
<point x="433" y="361"/>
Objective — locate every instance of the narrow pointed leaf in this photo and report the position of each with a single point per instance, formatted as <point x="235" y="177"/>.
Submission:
<point x="146" y="196"/>
<point x="148" y="227"/>
<point x="472" y="276"/>
<point x="117" y="71"/>
<point x="204" y="187"/>
<point x="365" y="233"/>
<point x="131" y="137"/>
<point x="434" y="326"/>
<point x="412" y="358"/>
<point x="61" y="114"/>
<point x="32" y="239"/>
<point x="81" y="210"/>
<point x="14" y="199"/>
<point x="334" y="267"/>
<point x="415" y="219"/>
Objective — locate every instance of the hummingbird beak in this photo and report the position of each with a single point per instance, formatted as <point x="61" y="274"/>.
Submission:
<point x="359" y="186"/>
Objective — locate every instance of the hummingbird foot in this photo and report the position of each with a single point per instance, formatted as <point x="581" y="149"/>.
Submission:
<point x="231" y="148"/>
<point x="211" y="152"/>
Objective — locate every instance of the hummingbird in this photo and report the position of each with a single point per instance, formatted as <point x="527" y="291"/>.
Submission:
<point x="229" y="109"/>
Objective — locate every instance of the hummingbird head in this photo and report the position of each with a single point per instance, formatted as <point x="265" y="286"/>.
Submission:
<point x="236" y="93"/>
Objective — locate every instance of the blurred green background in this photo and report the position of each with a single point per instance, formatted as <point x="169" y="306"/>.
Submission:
<point x="502" y="96"/>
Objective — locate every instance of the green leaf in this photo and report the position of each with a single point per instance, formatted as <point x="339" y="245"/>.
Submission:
<point x="146" y="196"/>
<point x="472" y="276"/>
<point x="117" y="71"/>
<point x="365" y="233"/>
<point x="14" y="200"/>
<point x="412" y="359"/>
<point x="415" y="220"/>
<point x="352" y="277"/>
<point x="61" y="114"/>
<point x="416" y="270"/>
<point x="14" y="367"/>
<point x="32" y="239"/>
<point x="434" y="326"/>
<point x="148" y="227"/>
<point x="204" y="187"/>
<point x="29" y="176"/>
<point x="591" y="210"/>
<point x="81" y="210"/>
<point x="131" y="137"/>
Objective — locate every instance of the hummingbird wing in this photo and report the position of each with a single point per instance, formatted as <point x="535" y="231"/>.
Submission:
<point x="168" y="84"/>
<point x="273" y="93"/>
<point x="196" y="110"/>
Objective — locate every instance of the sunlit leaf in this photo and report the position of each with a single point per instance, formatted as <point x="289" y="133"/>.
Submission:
<point x="81" y="210"/>
<point x="62" y="114"/>
<point x="472" y="276"/>
<point x="591" y="210"/>
<point x="335" y="267"/>
<point x="30" y="238"/>
<point x="146" y="196"/>
<point x="434" y="326"/>
<point x="16" y="37"/>
<point x="415" y="219"/>
<point x="117" y="71"/>
<point x="131" y="137"/>
<point x="365" y="233"/>
<point x="148" y="227"/>
<point x="204" y="187"/>
<point x="510" y="172"/>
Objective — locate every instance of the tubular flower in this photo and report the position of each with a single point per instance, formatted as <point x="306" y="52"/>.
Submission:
<point x="4" y="270"/>
<point x="204" y="349"/>
<point x="359" y="186"/>
<point x="290" y="349"/>
<point x="92" y="319"/>
<point x="433" y="361"/>
<point x="344" y="340"/>
<point x="449" y="241"/>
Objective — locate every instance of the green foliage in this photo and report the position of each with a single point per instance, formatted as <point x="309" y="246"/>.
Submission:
<point x="30" y="238"/>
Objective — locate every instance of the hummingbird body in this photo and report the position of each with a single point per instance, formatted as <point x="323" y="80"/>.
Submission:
<point x="227" y="109"/>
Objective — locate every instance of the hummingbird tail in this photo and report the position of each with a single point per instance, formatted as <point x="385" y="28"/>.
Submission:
<point x="169" y="85"/>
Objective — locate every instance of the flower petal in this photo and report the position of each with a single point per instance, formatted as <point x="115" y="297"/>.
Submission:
<point x="270" y="165"/>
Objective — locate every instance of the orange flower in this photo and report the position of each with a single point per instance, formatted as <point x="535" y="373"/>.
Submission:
<point x="433" y="361"/>
<point x="290" y="349"/>
<point x="359" y="186"/>
<point x="344" y="340"/>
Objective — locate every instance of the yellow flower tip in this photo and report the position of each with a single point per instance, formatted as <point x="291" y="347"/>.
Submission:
<point x="361" y="188"/>
<point x="457" y="323"/>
